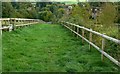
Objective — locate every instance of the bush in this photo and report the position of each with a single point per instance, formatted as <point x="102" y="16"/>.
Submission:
<point x="46" y="16"/>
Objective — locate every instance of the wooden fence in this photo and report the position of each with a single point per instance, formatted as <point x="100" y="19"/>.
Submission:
<point x="13" y="23"/>
<point x="72" y="27"/>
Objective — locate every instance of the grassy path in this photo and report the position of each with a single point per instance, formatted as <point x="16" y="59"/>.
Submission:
<point x="49" y="48"/>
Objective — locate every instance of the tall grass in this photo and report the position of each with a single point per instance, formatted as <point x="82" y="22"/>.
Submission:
<point x="50" y="48"/>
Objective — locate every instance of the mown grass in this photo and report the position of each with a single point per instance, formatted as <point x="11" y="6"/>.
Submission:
<point x="49" y="48"/>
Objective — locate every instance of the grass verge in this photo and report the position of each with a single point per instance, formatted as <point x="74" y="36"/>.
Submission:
<point x="49" y="48"/>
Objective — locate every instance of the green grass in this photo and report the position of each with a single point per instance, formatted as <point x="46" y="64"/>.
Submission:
<point x="49" y="48"/>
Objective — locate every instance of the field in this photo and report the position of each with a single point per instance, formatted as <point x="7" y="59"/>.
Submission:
<point x="49" y="48"/>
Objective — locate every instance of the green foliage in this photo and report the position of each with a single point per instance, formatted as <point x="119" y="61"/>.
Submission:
<point x="80" y="15"/>
<point x="118" y="14"/>
<point x="41" y="10"/>
<point x="104" y="23"/>
<point x="62" y="43"/>
<point x="45" y="9"/>
<point x="32" y="13"/>
<point x="18" y="10"/>
<point x="77" y="14"/>
<point x="46" y="15"/>
<point x="108" y="12"/>
<point x="61" y="11"/>
<point x="95" y="4"/>
<point x="23" y="12"/>
<point x="7" y="10"/>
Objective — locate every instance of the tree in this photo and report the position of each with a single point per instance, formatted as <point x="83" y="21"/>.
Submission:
<point x="80" y="14"/>
<point x="45" y="15"/>
<point x="32" y="13"/>
<point x="7" y="10"/>
<point x="118" y="15"/>
<point x="60" y="12"/>
<point x="108" y="14"/>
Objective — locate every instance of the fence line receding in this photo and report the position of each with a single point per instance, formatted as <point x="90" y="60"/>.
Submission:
<point x="75" y="29"/>
<point x="13" y="23"/>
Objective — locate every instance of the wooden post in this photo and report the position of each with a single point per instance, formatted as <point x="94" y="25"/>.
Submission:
<point x="74" y="30"/>
<point x="66" y="25"/>
<point x="23" y="21"/>
<point x="8" y="22"/>
<point x="69" y="25"/>
<point x="5" y="22"/>
<point x="103" y="46"/>
<point x="10" y="25"/>
<point x="77" y="31"/>
<point x="71" y="28"/>
<point x="90" y="39"/>
<point x="29" y="21"/>
<point x="14" y="22"/>
<point x="26" y="22"/>
<point x="83" y="35"/>
<point x="20" y="21"/>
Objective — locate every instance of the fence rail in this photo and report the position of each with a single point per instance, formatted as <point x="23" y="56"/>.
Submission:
<point x="72" y="27"/>
<point x="12" y="23"/>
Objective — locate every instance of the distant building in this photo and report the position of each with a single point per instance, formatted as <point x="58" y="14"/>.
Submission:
<point x="95" y="12"/>
<point x="34" y="4"/>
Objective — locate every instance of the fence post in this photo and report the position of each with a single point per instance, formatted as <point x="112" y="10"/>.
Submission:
<point x="8" y="22"/>
<point x="83" y="35"/>
<point x="69" y="25"/>
<point x="74" y="30"/>
<point x="90" y="39"/>
<point x="77" y="31"/>
<point x="10" y="25"/>
<point x="14" y="22"/>
<point x="20" y="21"/>
<point x="63" y="24"/>
<point x="5" y="22"/>
<point x="71" y="28"/>
<point x="103" y="46"/>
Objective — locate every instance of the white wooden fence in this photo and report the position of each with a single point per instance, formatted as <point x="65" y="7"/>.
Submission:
<point x="72" y="27"/>
<point x="13" y="23"/>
